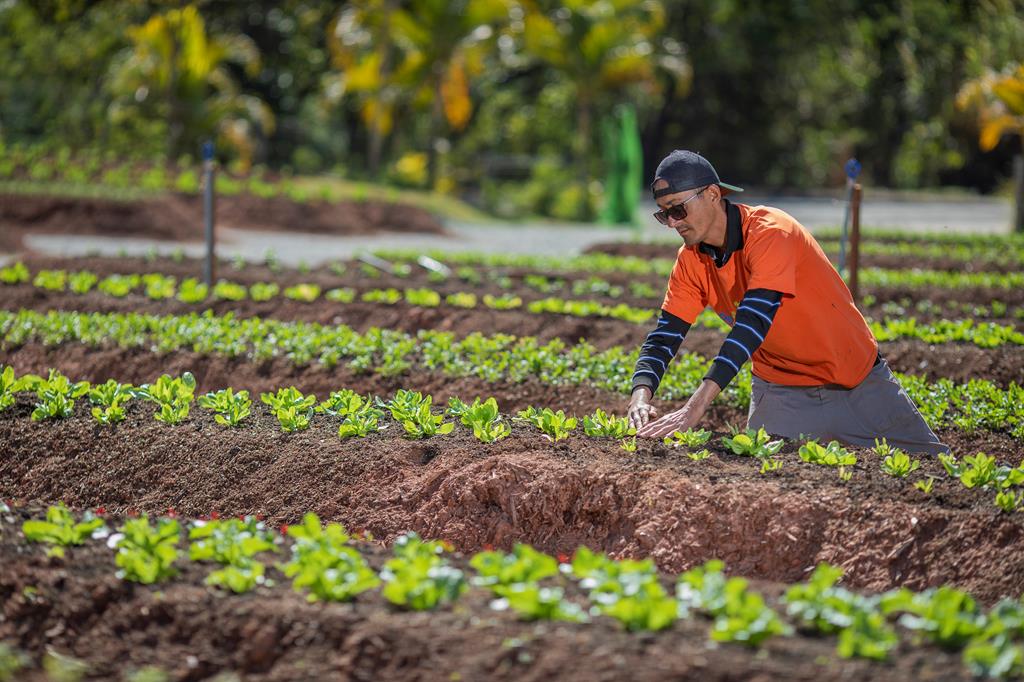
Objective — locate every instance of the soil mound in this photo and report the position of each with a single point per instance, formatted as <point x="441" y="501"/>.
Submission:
<point x="179" y="217"/>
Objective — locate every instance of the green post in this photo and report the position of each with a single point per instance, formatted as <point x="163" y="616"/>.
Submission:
<point x="624" y="160"/>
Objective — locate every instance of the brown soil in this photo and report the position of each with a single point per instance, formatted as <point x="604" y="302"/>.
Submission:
<point x="654" y="502"/>
<point x="78" y="607"/>
<point x="958" y="361"/>
<point x="948" y="301"/>
<point x="139" y="366"/>
<point x="179" y="217"/>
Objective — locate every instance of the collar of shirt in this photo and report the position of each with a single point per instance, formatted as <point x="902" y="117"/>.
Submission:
<point x="733" y="237"/>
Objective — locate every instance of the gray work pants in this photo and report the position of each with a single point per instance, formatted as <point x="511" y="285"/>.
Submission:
<point x="877" y="407"/>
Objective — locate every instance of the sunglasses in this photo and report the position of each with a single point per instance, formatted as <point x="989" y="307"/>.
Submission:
<point x="677" y="212"/>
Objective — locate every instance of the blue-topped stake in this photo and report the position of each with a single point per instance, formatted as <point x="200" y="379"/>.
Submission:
<point x="208" y="182"/>
<point x="852" y="168"/>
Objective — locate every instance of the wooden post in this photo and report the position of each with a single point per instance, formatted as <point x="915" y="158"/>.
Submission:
<point x="855" y="241"/>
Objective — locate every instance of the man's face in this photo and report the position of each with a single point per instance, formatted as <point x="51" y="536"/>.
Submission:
<point x="696" y="226"/>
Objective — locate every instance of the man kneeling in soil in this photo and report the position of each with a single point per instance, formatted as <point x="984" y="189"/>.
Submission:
<point x="817" y="370"/>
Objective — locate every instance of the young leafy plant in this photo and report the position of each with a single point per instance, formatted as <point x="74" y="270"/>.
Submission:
<point x="9" y="385"/>
<point x="324" y="564"/>
<point x="602" y="425"/>
<point x="230" y="408"/>
<point x="418" y="577"/>
<point x="424" y="424"/>
<point x="925" y="485"/>
<point x="16" y="273"/>
<point x="61" y="529"/>
<point x="523" y="565"/>
<point x="293" y="409"/>
<point x="108" y="400"/>
<point x="554" y="425"/>
<point x="691" y="438"/>
<point x="832" y="455"/>
<point x="821" y="604"/>
<point x="752" y="443"/>
<point x="232" y="543"/>
<point x="56" y="394"/>
<point x="740" y="615"/>
<point x="174" y="396"/>
<point x="899" y="464"/>
<point x="360" y="424"/>
<point x="484" y="419"/>
<point x="145" y="553"/>
<point x="534" y="602"/>
<point x="264" y="291"/>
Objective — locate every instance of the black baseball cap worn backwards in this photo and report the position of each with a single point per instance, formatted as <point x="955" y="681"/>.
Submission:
<point x="684" y="170"/>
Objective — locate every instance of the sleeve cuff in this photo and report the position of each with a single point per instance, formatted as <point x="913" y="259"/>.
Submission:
<point x="643" y="380"/>
<point x="720" y="373"/>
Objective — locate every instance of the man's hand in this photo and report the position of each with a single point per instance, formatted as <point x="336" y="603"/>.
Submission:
<point x="685" y="418"/>
<point x="640" y="409"/>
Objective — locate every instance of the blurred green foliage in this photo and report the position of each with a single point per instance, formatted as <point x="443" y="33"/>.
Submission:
<point x="501" y="101"/>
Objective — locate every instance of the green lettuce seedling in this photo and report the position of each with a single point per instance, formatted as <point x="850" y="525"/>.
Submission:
<point x="691" y="438"/>
<point x="523" y="565"/>
<point x="9" y="385"/>
<point x="51" y="280"/>
<point x="485" y="421"/>
<point x="821" y="604"/>
<point x="230" y="407"/>
<point x="173" y="396"/>
<point x="1008" y="501"/>
<point x="899" y="464"/>
<point x="292" y="409"/>
<point x="16" y="273"/>
<point x="82" y="282"/>
<point x="740" y="615"/>
<point x="304" y="293"/>
<point x="533" y="602"/>
<point x="925" y="485"/>
<point x="119" y="286"/>
<point x="61" y="529"/>
<point x="109" y="400"/>
<point x="602" y="425"/>
<point x="264" y="291"/>
<point x="159" y="287"/>
<point x="554" y="425"/>
<point x="192" y="291"/>
<point x="56" y="394"/>
<point x="752" y="443"/>
<point x="232" y="543"/>
<point x="418" y="577"/>
<point x="360" y="424"/>
<point x="424" y="424"/>
<point x="832" y="455"/>
<point x="324" y="564"/>
<point x="946" y="616"/>
<point x="145" y="553"/>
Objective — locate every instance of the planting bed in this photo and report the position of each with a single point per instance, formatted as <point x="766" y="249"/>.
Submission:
<point x="179" y="217"/>
<point x="78" y="606"/>
<point x="654" y="502"/>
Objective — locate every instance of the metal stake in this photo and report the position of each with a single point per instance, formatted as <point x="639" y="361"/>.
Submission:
<point x="208" y="208"/>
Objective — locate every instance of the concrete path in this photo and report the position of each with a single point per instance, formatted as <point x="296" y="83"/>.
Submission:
<point x="981" y="216"/>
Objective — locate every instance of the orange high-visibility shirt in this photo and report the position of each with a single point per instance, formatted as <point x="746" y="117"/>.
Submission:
<point x="818" y="336"/>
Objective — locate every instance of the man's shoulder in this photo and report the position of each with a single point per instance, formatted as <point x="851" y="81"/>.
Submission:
<point x="766" y="221"/>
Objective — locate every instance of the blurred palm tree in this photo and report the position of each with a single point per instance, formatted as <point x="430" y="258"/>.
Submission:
<point x="421" y="54"/>
<point x="175" y="71"/>
<point x="607" y="49"/>
<point x="997" y="97"/>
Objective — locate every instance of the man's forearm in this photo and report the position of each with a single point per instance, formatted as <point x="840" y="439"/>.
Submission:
<point x="704" y="395"/>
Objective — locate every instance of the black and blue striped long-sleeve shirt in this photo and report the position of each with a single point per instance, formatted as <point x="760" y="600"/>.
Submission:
<point x="754" y="317"/>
